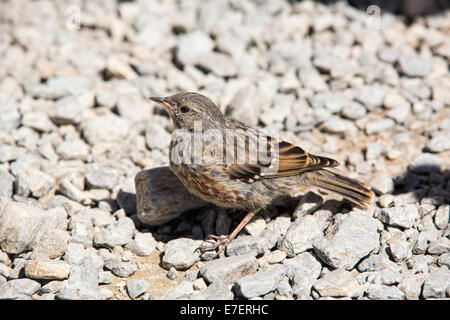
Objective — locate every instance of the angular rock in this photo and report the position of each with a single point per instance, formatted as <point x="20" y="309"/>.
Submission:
<point x="309" y="203"/>
<point x="47" y="270"/>
<point x="414" y="65"/>
<point x="215" y="291"/>
<point x="442" y="216"/>
<point x="192" y="46"/>
<point x="259" y="283"/>
<point x="255" y="245"/>
<point x="229" y="269"/>
<point x="436" y="284"/>
<point x="136" y="288"/>
<point x="383" y="292"/>
<point x="350" y="240"/>
<point x="181" y="253"/>
<point x="338" y="283"/>
<point x="382" y="184"/>
<point x="161" y="197"/>
<point x="100" y="177"/>
<point x="400" y="216"/>
<point x="22" y="226"/>
<point x="300" y="236"/>
<point x="124" y="269"/>
<point x="142" y="245"/>
<point x="425" y="163"/>
<point x="399" y="248"/>
<point x="305" y="263"/>
<point x="105" y="128"/>
<point x="6" y="184"/>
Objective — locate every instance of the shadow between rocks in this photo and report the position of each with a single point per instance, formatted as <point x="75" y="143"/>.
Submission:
<point x="410" y="9"/>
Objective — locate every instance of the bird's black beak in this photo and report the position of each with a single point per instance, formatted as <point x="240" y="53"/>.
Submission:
<point x="163" y="102"/>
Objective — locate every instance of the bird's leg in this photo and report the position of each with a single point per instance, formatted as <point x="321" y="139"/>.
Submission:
<point x="223" y="241"/>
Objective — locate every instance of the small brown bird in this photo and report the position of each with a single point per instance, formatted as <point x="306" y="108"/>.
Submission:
<point x="235" y="166"/>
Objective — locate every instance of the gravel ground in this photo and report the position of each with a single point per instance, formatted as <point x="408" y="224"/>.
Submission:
<point x="373" y="92"/>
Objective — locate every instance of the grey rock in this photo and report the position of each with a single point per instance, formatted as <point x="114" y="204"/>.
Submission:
<point x="425" y="163"/>
<point x="47" y="270"/>
<point x="338" y="283"/>
<point x="113" y="235"/>
<point x="243" y="107"/>
<point x="436" y="284"/>
<point x="181" y="253"/>
<point x="387" y="277"/>
<point x="38" y="121"/>
<point x="444" y="260"/>
<point x="442" y="216"/>
<point x="22" y="226"/>
<point x="183" y="290"/>
<point x="71" y="85"/>
<point x="73" y="149"/>
<point x="420" y="263"/>
<point x="377" y="262"/>
<point x="220" y="64"/>
<point x="259" y="283"/>
<point x="284" y="290"/>
<point x="101" y="177"/>
<point x="371" y="96"/>
<point x="83" y="280"/>
<point x="339" y="126"/>
<point x="215" y="291"/>
<point x="399" y="248"/>
<point x="6" y="184"/>
<point x="161" y="197"/>
<point x="157" y="137"/>
<point x="7" y="292"/>
<point x="105" y="277"/>
<point x="229" y="269"/>
<point x="25" y="286"/>
<point x="47" y="296"/>
<point x="309" y="203"/>
<point x="414" y="65"/>
<point x="254" y="245"/>
<point x="142" y="245"/>
<point x="272" y="257"/>
<point x="105" y="128"/>
<point x="350" y="240"/>
<point x="439" y="246"/>
<point x="378" y="126"/>
<point x="311" y="78"/>
<point x="305" y="264"/>
<point x="400" y="216"/>
<point x="40" y="183"/>
<point x="172" y="274"/>
<point x="354" y="110"/>
<point x="9" y="113"/>
<point x="411" y="285"/>
<point x="124" y="269"/>
<point x="256" y="226"/>
<point x="67" y="110"/>
<point x="383" y="292"/>
<point x="136" y="288"/>
<point x="192" y="46"/>
<point x="399" y="114"/>
<point x="382" y="184"/>
<point x="300" y="236"/>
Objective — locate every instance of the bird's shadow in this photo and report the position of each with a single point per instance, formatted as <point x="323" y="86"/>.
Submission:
<point x="402" y="8"/>
<point x="424" y="184"/>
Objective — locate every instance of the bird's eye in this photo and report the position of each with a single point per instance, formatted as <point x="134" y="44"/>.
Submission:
<point x="184" y="109"/>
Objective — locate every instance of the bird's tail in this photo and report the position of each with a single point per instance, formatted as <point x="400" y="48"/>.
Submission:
<point x="351" y="189"/>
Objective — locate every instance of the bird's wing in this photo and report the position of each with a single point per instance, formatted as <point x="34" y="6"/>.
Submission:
<point x="273" y="158"/>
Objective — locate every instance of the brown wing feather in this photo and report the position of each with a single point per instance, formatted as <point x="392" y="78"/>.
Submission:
<point x="287" y="158"/>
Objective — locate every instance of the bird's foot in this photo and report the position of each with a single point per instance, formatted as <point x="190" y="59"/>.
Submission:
<point x="222" y="242"/>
